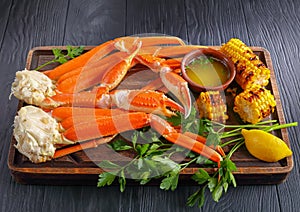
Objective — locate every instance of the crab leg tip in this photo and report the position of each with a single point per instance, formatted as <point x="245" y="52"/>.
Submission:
<point x="186" y="100"/>
<point x="187" y="111"/>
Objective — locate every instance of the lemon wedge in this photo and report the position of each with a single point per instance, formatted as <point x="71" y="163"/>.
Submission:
<point x="265" y="146"/>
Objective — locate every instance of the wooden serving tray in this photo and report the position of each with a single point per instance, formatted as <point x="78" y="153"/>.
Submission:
<point x="78" y="169"/>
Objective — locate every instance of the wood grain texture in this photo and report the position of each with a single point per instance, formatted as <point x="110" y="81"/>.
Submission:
<point x="93" y="22"/>
<point x="275" y="27"/>
<point x="155" y="16"/>
<point x="5" y="8"/>
<point x="216" y="23"/>
<point x="270" y="24"/>
<point x="35" y="27"/>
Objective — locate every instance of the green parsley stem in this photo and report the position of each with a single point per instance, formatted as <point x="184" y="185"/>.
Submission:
<point x="230" y="135"/>
<point x="231" y="141"/>
<point x="257" y="125"/>
<point x="231" y="131"/>
<point x="235" y="147"/>
<point x="43" y="65"/>
<point x="280" y="126"/>
<point x="184" y="165"/>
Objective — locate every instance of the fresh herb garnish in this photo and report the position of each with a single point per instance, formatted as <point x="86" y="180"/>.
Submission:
<point x="154" y="160"/>
<point x="119" y="145"/>
<point x="217" y="183"/>
<point x="61" y="57"/>
<point x="191" y="123"/>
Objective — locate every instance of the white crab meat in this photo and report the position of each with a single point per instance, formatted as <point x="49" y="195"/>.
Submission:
<point x="32" y="87"/>
<point x="37" y="134"/>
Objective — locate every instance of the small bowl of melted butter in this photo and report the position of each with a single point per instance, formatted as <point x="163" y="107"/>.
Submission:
<point x="207" y="69"/>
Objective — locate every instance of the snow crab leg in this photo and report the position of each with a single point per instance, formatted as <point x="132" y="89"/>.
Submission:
<point x="45" y="146"/>
<point x="108" y="74"/>
<point x="62" y="113"/>
<point x="203" y="140"/>
<point x="135" y="100"/>
<point x="104" y="49"/>
<point x="85" y="71"/>
<point x="168" y="51"/>
<point x="113" y="125"/>
<point x="70" y="116"/>
<point x="82" y="146"/>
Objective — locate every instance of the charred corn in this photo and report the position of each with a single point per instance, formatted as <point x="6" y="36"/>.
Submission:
<point x="249" y="68"/>
<point x="212" y="106"/>
<point x="254" y="104"/>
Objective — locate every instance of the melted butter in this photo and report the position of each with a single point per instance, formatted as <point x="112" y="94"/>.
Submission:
<point x="208" y="72"/>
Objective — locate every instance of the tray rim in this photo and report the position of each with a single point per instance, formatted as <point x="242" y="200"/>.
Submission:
<point x="187" y="171"/>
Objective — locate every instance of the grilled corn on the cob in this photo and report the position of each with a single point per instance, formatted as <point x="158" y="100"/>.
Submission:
<point x="212" y="106"/>
<point x="249" y="69"/>
<point x="254" y="104"/>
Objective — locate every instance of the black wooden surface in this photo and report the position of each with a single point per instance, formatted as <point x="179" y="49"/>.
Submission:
<point x="273" y="24"/>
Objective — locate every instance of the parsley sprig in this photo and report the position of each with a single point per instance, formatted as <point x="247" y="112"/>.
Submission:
<point x="154" y="160"/>
<point x="217" y="184"/>
<point x="61" y="57"/>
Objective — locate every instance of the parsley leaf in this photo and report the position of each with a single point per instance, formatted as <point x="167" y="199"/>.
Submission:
<point x="217" y="184"/>
<point x="134" y="139"/>
<point x="170" y="182"/>
<point x="119" y="145"/>
<point x="217" y="192"/>
<point x="122" y="181"/>
<point x="74" y="51"/>
<point x="213" y="139"/>
<point x="198" y="196"/>
<point x="57" y="53"/>
<point x="142" y="149"/>
<point x="189" y="124"/>
<point x="201" y="176"/>
<point x="61" y="57"/>
<point x="105" y="178"/>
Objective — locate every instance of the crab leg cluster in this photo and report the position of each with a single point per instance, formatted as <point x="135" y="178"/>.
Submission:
<point x="86" y="106"/>
<point x="105" y="66"/>
<point x="68" y="125"/>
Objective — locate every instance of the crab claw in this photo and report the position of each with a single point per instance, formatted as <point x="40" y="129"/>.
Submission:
<point x="147" y="101"/>
<point x="178" y="86"/>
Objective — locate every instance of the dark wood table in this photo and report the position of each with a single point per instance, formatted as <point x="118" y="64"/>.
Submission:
<point x="272" y="24"/>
